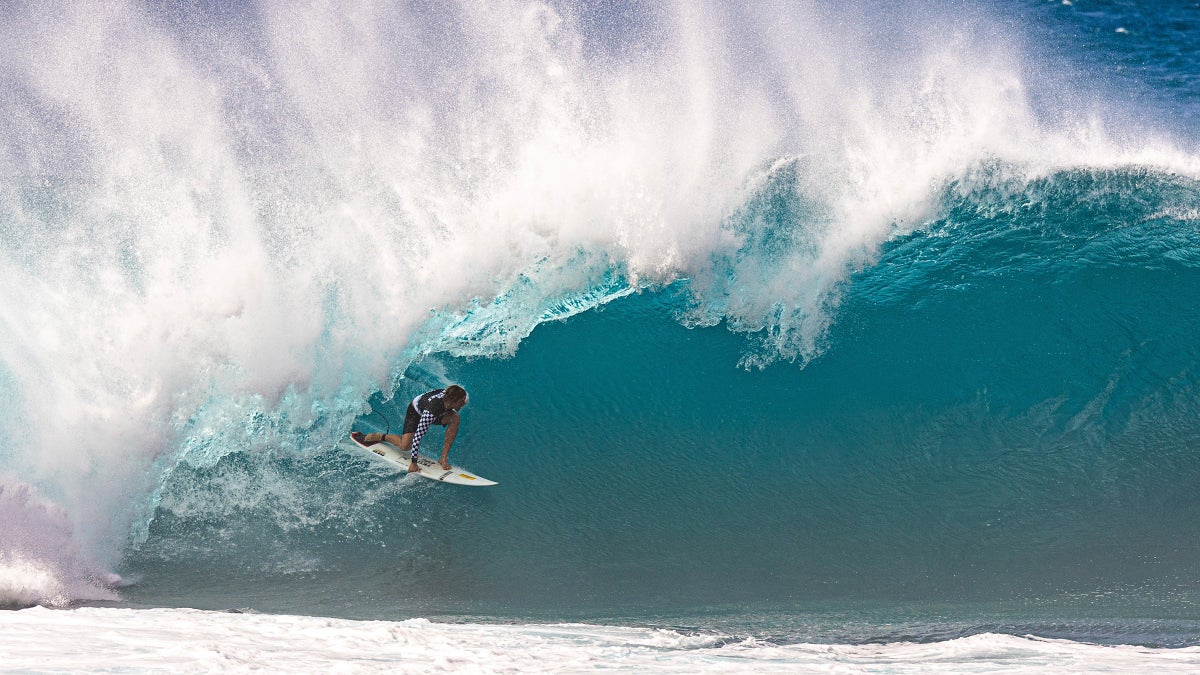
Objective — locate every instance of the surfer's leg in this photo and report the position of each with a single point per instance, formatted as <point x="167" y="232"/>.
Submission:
<point x="394" y="439"/>
<point x="403" y="442"/>
<point x="412" y="420"/>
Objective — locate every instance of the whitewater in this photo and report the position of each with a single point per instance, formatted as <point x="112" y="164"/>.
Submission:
<point x="798" y="334"/>
<point x="153" y="640"/>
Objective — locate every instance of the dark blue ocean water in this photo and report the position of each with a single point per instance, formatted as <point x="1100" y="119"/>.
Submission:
<point x="853" y="406"/>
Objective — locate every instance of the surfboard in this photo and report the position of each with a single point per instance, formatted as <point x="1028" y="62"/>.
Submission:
<point x="429" y="468"/>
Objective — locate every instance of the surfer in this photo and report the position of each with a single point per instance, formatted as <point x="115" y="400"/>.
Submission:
<point x="439" y="406"/>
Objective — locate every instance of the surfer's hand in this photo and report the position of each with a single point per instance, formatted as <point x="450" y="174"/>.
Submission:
<point x="413" y="468"/>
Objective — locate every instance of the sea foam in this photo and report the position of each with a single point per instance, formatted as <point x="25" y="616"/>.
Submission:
<point x="153" y="640"/>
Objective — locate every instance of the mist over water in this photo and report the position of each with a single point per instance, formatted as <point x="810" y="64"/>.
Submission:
<point x="960" y="284"/>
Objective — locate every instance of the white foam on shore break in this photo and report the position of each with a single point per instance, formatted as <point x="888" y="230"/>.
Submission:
<point x="142" y="640"/>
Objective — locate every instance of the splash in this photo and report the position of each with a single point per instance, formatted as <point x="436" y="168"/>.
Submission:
<point x="38" y="560"/>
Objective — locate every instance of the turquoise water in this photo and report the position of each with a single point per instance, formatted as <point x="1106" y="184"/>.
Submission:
<point x="880" y="334"/>
<point x="1007" y="462"/>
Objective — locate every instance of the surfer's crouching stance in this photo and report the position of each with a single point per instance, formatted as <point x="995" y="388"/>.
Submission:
<point x="439" y="406"/>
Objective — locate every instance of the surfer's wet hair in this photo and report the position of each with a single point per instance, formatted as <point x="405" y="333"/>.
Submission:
<point x="455" y="394"/>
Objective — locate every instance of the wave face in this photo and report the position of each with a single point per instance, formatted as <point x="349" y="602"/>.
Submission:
<point x="886" y="314"/>
<point x="1004" y="409"/>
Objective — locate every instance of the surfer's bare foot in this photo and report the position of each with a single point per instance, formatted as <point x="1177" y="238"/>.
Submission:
<point x="361" y="439"/>
<point x="413" y="468"/>
<point x="445" y="464"/>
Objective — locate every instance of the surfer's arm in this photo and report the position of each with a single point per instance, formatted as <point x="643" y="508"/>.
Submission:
<point x="451" y="431"/>
<point x="422" y="426"/>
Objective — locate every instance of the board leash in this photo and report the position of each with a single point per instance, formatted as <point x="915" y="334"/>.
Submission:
<point x="385" y="421"/>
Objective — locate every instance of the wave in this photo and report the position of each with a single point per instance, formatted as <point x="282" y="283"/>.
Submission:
<point x="1002" y="411"/>
<point x="225" y="230"/>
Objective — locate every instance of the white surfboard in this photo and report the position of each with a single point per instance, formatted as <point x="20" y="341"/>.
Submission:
<point x="429" y="468"/>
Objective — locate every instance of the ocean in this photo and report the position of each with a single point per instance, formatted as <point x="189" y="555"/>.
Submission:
<point x="798" y="335"/>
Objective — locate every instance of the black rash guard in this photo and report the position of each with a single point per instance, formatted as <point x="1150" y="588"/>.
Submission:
<point x="424" y="411"/>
